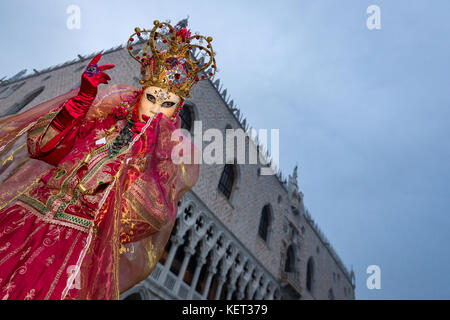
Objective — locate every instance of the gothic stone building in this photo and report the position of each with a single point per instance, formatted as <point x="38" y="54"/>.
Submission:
<point x="238" y="234"/>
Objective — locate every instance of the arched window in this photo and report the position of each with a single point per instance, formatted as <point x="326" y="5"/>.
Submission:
<point x="310" y="274"/>
<point x="264" y="222"/>
<point x="289" y="265"/>
<point x="227" y="179"/>
<point x="187" y="117"/>
<point x="15" y="108"/>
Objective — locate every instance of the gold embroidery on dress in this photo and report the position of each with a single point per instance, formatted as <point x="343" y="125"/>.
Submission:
<point x="30" y="295"/>
<point x="63" y="266"/>
<point x="52" y="221"/>
<point x="68" y="233"/>
<point x="10" y="286"/>
<point x="50" y="260"/>
<point x="25" y="253"/>
<point x="23" y="245"/>
<point x="6" y="246"/>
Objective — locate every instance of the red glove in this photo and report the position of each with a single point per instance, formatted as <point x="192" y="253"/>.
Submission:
<point x="80" y="104"/>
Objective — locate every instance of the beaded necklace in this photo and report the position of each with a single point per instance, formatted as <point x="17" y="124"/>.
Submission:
<point x="126" y="134"/>
<point x="124" y="138"/>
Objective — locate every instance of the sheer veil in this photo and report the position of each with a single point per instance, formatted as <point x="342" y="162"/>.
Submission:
<point x="137" y="213"/>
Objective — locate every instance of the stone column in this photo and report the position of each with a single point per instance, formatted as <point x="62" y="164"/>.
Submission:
<point x="254" y="285"/>
<point x="216" y="254"/>
<point x="211" y="271"/>
<point x="235" y="272"/>
<point x="200" y="262"/>
<point x="198" y="232"/>
<point x="228" y="260"/>
<point x="176" y="242"/>
<point x="278" y="297"/>
<point x="240" y="295"/>
<point x="261" y="290"/>
<point x="270" y="292"/>
<point x="243" y="280"/>
<point x="231" y="287"/>
<point x="183" y="225"/>
<point x="206" y="245"/>
<point x="188" y="252"/>
<point x="221" y="279"/>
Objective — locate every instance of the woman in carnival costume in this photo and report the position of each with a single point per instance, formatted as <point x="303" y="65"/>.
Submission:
<point x="90" y="181"/>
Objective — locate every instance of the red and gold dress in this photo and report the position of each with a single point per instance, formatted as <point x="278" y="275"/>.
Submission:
<point x="75" y="222"/>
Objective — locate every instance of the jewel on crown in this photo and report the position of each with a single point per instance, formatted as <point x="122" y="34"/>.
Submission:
<point x="167" y="60"/>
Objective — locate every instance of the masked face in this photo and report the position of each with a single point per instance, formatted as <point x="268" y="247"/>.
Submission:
<point x="155" y="100"/>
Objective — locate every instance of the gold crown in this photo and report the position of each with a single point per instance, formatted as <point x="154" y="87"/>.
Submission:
<point x="172" y="65"/>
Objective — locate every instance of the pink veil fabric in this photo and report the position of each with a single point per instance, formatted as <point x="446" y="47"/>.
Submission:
<point x="138" y="211"/>
<point x="17" y="170"/>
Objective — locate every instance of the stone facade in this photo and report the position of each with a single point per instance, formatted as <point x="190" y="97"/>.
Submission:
<point x="216" y="250"/>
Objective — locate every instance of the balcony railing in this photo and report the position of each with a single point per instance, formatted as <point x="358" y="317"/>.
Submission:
<point x="293" y="279"/>
<point x="169" y="284"/>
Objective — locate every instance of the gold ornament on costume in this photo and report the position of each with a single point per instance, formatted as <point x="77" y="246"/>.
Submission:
<point x="169" y="63"/>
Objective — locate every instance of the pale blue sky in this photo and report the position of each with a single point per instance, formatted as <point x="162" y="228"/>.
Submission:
<point x="364" y="113"/>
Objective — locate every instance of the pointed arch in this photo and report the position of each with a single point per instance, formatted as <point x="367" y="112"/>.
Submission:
<point x="228" y="179"/>
<point x="266" y="223"/>
<point x="289" y="265"/>
<point x="310" y="274"/>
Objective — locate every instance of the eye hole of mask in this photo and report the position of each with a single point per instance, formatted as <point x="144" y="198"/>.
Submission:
<point x="168" y="104"/>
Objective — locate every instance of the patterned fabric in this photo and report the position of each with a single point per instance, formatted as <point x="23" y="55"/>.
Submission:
<point x="36" y="255"/>
<point x="118" y="212"/>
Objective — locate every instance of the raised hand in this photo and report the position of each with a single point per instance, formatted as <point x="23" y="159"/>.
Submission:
<point x="93" y="76"/>
<point x="78" y="105"/>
